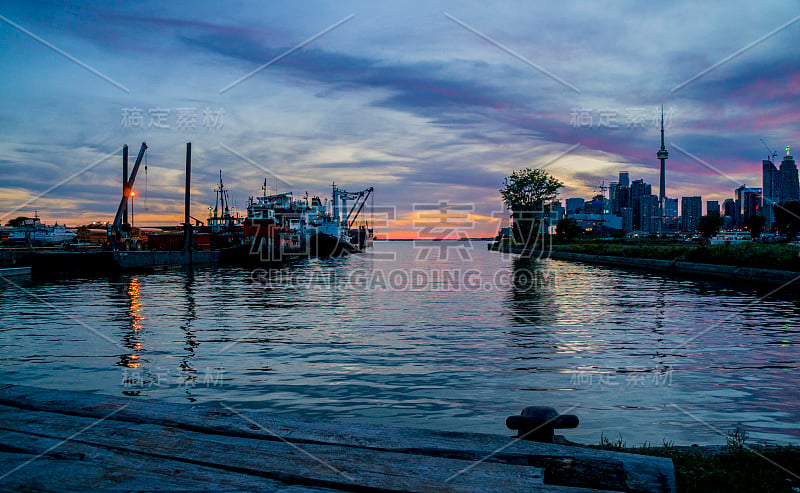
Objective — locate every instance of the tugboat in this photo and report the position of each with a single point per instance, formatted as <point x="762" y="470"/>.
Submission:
<point x="226" y="229"/>
<point x="271" y="228"/>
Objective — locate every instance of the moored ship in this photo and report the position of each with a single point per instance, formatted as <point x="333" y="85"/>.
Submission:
<point x="279" y="227"/>
<point x="31" y="232"/>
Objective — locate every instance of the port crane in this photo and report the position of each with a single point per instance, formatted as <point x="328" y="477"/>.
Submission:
<point x="116" y="231"/>
<point x="341" y="196"/>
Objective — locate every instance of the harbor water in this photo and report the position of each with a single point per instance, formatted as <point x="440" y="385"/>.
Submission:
<point x="440" y="335"/>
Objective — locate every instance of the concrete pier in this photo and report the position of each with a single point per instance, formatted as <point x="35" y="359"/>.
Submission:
<point x="67" y="441"/>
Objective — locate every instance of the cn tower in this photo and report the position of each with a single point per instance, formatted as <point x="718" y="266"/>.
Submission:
<point x="662" y="156"/>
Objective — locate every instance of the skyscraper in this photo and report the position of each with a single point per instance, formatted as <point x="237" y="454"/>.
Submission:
<point x="770" y="183"/>
<point x="662" y="156"/>
<point x="712" y="207"/>
<point x="728" y="214"/>
<point x="789" y="189"/>
<point x="624" y="179"/>
<point x="638" y="190"/>
<point x="671" y="215"/>
<point x="738" y="196"/>
<point x="691" y="210"/>
<point x="751" y="203"/>
<point x="649" y="213"/>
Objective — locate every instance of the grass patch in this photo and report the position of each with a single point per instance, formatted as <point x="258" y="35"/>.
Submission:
<point x="763" y="256"/>
<point x="731" y="467"/>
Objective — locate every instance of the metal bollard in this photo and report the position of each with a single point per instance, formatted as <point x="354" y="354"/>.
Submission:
<point x="538" y="422"/>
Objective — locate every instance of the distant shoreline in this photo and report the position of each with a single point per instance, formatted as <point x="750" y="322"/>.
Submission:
<point x="487" y="238"/>
<point x="675" y="266"/>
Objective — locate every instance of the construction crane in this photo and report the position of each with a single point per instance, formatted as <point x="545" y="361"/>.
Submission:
<point x="773" y="155"/>
<point x="602" y="188"/>
<point x="115" y="232"/>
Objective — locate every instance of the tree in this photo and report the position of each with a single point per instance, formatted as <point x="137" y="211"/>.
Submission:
<point x="18" y="221"/>
<point x="755" y="224"/>
<point x="787" y="219"/>
<point x="568" y="229"/>
<point x="529" y="193"/>
<point x="709" y="225"/>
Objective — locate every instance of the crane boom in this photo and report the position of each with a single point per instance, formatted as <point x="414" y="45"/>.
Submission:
<point x="360" y="199"/>
<point x="123" y="203"/>
<point x="770" y="152"/>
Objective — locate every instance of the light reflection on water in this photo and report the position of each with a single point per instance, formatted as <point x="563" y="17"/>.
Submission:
<point x="635" y="354"/>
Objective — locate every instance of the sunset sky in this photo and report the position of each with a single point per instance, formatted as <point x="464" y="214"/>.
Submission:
<point x="425" y="101"/>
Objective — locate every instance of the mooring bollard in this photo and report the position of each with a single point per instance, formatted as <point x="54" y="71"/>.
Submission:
<point x="538" y="422"/>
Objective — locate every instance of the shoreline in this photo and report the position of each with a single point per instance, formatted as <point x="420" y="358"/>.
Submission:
<point x="676" y="267"/>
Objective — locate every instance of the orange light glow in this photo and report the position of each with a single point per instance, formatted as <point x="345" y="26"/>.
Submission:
<point x="132" y="194"/>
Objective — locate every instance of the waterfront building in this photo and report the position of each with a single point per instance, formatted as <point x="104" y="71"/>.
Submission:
<point x="600" y="223"/>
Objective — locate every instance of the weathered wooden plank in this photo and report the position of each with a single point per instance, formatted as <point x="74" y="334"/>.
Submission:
<point x="326" y="465"/>
<point x="574" y="466"/>
<point x="34" y="463"/>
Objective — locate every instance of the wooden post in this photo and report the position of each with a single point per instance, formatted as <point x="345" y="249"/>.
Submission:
<point x="187" y="226"/>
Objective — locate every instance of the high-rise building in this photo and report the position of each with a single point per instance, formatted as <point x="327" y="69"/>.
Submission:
<point x="621" y="197"/>
<point x="670" y="215"/>
<point x="770" y="183"/>
<point x="613" y="205"/>
<point x="624" y="179"/>
<point x="738" y="216"/>
<point x="649" y="213"/>
<point x="626" y="213"/>
<point x="574" y="206"/>
<point x="728" y="214"/>
<point x="671" y="207"/>
<point x="751" y="203"/>
<point x="712" y="207"/>
<point x="789" y="187"/>
<point x="691" y="210"/>
<point x="595" y="206"/>
<point x="729" y="208"/>
<point x="638" y="189"/>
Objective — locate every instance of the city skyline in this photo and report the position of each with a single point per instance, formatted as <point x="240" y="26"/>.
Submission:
<point x="780" y="184"/>
<point x="786" y="179"/>
<point x="425" y="102"/>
